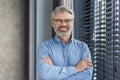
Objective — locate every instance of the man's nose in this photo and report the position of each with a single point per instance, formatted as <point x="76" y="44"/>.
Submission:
<point x="63" y="23"/>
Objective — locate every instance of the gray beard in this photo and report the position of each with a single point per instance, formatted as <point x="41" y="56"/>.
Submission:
<point x="63" y="34"/>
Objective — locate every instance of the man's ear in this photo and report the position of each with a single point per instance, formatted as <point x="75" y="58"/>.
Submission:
<point x="52" y="23"/>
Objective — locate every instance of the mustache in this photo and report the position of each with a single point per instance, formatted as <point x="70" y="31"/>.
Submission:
<point x="63" y="27"/>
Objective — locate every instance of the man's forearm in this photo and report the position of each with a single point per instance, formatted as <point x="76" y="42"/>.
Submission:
<point x="54" y="72"/>
<point x="84" y="75"/>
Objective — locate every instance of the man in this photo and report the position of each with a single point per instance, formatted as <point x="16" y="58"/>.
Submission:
<point x="62" y="57"/>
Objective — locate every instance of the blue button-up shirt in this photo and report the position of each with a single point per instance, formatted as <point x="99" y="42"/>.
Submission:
<point x="64" y="58"/>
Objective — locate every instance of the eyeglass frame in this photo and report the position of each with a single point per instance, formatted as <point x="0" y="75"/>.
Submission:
<point x="60" y="21"/>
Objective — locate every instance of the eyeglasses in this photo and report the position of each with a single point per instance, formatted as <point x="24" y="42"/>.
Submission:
<point x="60" y="21"/>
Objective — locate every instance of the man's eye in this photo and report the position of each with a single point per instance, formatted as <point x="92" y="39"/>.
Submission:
<point x="67" y="20"/>
<point x="58" y="20"/>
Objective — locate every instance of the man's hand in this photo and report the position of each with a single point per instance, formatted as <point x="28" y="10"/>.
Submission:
<point x="83" y="64"/>
<point x="48" y="61"/>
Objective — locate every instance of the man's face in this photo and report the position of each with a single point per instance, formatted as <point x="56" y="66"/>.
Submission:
<point x="63" y="23"/>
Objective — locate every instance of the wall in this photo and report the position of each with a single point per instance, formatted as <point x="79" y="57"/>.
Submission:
<point x="13" y="38"/>
<point x="44" y="30"/>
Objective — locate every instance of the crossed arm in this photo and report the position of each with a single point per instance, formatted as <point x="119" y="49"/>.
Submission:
<point x="82" y="65"/>
<point x="80" y="68"/>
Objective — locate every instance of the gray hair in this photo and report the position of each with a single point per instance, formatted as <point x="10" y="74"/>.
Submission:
<point x="61" y="9"/>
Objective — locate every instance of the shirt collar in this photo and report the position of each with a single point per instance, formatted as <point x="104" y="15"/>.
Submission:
<point x="61" y="42"/>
